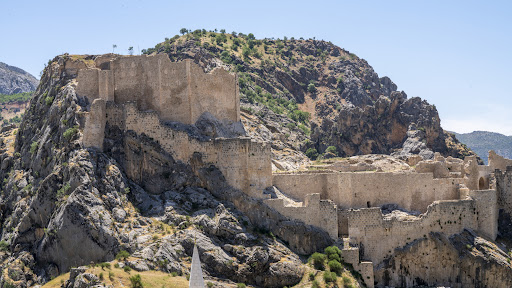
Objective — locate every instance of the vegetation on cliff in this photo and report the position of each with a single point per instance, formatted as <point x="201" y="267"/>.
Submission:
<point x="312" y="94"/>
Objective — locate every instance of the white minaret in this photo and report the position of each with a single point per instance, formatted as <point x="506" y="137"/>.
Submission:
<point x="196" y="273"/>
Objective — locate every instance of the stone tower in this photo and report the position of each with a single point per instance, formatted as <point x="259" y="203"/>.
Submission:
<point x="196" y="273"/>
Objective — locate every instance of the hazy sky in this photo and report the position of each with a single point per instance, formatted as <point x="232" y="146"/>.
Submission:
<point x="455" y="54"/>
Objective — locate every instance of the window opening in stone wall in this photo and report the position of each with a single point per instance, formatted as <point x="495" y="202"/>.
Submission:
<point x="368" y="204"/>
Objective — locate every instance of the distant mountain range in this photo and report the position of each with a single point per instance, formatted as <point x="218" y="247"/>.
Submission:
<point x="483" y="141"/>
<point x="15" y="80"/>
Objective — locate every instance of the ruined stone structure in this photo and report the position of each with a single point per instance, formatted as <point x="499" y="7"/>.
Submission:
<point x="143" y="93"/>
<point x="139" y="93"/>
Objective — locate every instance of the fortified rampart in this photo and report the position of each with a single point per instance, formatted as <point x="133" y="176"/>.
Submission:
<point x="137" y="93"/>
<point x="377" y="236"/>
<point x="177" y="91"/>
<point x="143" y="93"/>
<point x="244" y="163"/>
<point x="313" y="211"/>
<point x="369" y="189"/>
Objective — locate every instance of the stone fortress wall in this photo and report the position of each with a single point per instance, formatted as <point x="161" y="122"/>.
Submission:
<point x="140" y="93"/>
<point x="177" y="91"/>
<point x="369" y="189"/>
<point x="137" y="93"/>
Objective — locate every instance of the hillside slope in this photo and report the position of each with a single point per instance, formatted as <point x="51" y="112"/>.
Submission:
<point x="15" y="80"/>
<point x="483" y="141"/>
<point x="308" y="95"/>
<point x="64" y="206"/>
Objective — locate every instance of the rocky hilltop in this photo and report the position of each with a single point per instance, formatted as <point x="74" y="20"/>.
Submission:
<point x="309" y="95"/>
<point x="64" y="206"/>
<point x="15" y="80"/>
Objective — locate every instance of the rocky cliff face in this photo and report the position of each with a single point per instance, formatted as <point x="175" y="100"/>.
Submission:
<point x="462" y="260"/>
<point x="309" y="94"/>
<point x="64" y="206"/>
<point x="15" y="80"/>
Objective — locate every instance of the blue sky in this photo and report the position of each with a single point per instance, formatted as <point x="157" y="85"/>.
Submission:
<point x="454" y="54"/>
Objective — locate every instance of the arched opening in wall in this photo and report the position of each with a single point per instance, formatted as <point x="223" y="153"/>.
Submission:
<point x="368" y="204"/>
<point x="481" y="183"/>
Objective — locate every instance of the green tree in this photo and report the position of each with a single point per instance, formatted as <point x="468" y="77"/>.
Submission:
<point x="136" y="281"/>
<point x="114" y="46"/>
<point x="223" y="31"/>
<point x="312" y="153"/>
<point x="183" y="31"/>
<point x="130" y="50"/>
<point x="311" y="87"/>
<point x="331" y="149"/>
<point x="251" y="36"/>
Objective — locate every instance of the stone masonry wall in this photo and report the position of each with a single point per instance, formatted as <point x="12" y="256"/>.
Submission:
<point x="377" y="236"/>
<point x="94" y="130"/>
<point x="504" y="189"/>
<point x="245" y="164"/>
<point x="316" y="212"/>
<point x="412" y="191"/>
<point x="177" y="91"/>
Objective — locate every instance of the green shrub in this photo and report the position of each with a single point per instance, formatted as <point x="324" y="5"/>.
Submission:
<point x="4" y="246"/>
<point x="304" y="129"/>
<point x="70" y="132"/>
<point x="291" y="125"/>
<point x="312" y="153"/>
<point x="127" y="268"/>
<point x="136" y="281"/>
<point x="335" y="266"/>
<point x="346" y="280"/>
<point x="63" y="190"/>
<point x="101" y="276"/>
<point x="209" y="284"/>
<point x="311" y="276"/>
<point x="33" y="147"/>
<point x="318" y="260"/>
<point x="240" y="285"/>
<point x="315" y="284"/>
<point x="174" y="274"/>
<point x="48" y="100"/>
<point x="331" y="149"/>
<point x="333" y="253"/>
<point x="329" y="277"/>
<point x="311" y="87"/>
<point x="123" y="254"/>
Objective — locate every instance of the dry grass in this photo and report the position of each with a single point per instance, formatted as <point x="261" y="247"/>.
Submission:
<point x="122" y="279"/>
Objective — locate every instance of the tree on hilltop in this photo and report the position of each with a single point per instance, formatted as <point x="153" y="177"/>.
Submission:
<point x="114" y="46"/>
<point x="130" y="50"/>
<point x="183" y="31"/>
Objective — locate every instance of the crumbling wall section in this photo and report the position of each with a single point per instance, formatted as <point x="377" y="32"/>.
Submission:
<point x="316" y="212"/>
<point x="504" y="189"/>
<point x="412" y="191"/>
<point x="378" y="237"/>
<point x="94" y="130"/>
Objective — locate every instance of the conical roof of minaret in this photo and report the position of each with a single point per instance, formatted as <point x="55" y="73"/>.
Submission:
<point x="196" y="273"/>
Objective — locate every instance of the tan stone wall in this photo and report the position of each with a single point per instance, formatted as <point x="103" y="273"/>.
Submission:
<point x="498" y="162"/>
<point x="178" y="91"/>
<point x="486" y="202"/>
<point x="412" y="191"/>
<point x="316" y="212"/>
<point x="245" y="163"/>
<point x="94" y="131"/>
<point x="378" y="237"/>
<point x="504" y="189"/>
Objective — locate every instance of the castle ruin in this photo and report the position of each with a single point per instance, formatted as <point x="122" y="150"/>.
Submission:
<point x="143" y="93"/>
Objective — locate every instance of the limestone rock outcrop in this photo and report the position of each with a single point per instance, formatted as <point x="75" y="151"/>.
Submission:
<point x="461" y="260"/>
